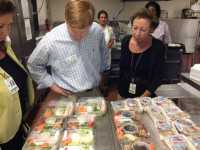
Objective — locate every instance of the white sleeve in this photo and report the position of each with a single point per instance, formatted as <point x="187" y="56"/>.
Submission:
<point x="37" y="64"/>
<point x="167" y="38"/>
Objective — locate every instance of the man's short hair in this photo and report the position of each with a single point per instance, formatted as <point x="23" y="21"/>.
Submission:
<point x="79" y="13"/>
<point x="6" y="7"/>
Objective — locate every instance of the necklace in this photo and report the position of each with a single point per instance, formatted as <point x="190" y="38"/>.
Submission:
<point x="139" y="47"/>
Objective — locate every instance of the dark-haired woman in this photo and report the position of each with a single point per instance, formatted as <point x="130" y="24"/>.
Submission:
<point x="16" y="90"/>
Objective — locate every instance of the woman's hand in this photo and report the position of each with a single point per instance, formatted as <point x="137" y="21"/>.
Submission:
<point x="58" y="90"/>
<point x="146" y="94"/>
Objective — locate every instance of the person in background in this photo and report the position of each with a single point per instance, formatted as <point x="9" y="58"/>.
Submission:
<point x="162" y="31"/>
<point x="108" y="31"/>
<point x="141" y="62"/>
<point x="75" y="51"/>
<point x="16" y="89"/>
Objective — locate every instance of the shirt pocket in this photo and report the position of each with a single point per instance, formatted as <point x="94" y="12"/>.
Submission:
<point x="66" y="64"/>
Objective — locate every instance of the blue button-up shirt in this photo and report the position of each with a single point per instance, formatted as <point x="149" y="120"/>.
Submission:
<point x="75" y="66"/>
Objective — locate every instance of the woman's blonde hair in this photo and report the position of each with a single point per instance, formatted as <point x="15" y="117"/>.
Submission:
<point x="79" y="13"/>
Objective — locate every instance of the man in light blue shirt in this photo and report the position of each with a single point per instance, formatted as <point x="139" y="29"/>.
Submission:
<point x="75" y="50"/>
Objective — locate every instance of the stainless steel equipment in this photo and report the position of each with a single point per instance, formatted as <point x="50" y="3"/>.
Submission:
<point x="22" y="33"/>
<point x="187" y="13"/>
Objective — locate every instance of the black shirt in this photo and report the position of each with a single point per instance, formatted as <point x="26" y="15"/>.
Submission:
<point x="20" y="78"/>
<point x="145" y="68"/>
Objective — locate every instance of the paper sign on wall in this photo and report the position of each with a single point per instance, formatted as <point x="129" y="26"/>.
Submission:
<point x="28" y="29"/>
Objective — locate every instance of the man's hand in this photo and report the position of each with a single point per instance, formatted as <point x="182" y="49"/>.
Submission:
<point x="103" y="85"/>
<point x="58" y="90"/>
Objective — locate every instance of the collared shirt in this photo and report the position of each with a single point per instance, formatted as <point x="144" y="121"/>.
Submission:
<point x="75" y="66"/>
<point x="162" y="32"/>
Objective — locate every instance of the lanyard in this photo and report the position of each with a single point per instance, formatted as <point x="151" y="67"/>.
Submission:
<point x="136" y="64"/>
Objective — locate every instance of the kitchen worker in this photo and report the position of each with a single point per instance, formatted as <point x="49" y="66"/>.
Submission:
<point x="108" y="31"/>
<point x="75" y="51"/>
<point x="16" y="90"/>
<point x="162" y="31"/>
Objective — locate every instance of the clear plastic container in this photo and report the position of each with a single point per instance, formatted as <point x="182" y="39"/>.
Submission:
<point x="77" y="137"/>
<point x="45" y="139"/>
<point x="80" y="121"/>
<point x="91" y="105"/>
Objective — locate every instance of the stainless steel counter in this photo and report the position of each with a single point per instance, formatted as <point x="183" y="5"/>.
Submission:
<point x="173" y="91"/>
<point x="105" y="138"/>
<point x="186" y="78"/>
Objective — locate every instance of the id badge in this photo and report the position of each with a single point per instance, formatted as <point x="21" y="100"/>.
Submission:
<point x="132" y="87"/>
<point x="11" y="85"/>
<point x="71" y="59"/>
